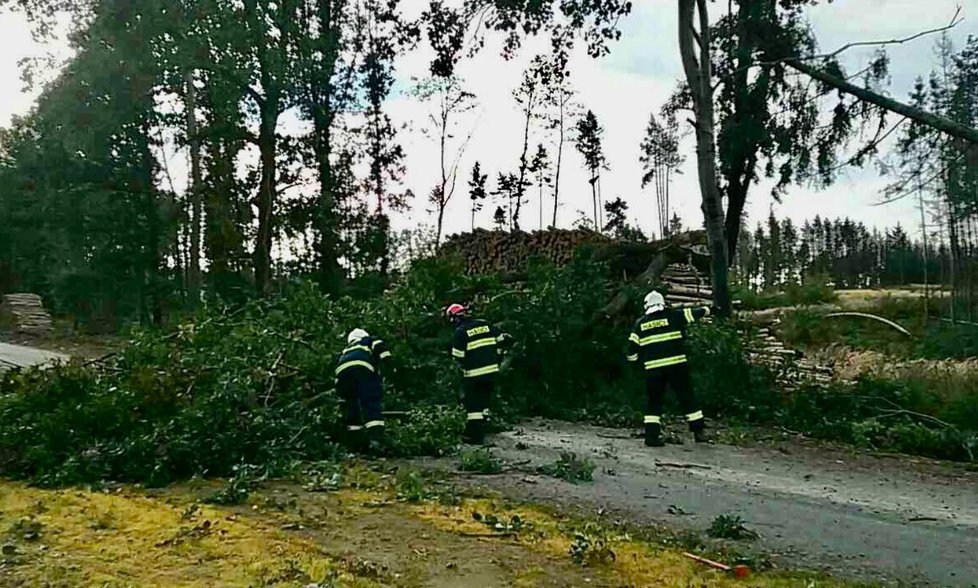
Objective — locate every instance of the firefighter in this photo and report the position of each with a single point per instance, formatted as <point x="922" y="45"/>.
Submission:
<point x="361" y="389"/>
<point x="476" y="349"/>
<point x="657" y="341"/>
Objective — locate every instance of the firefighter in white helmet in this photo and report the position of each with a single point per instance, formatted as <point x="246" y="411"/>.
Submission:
<point x="657" y="343"/>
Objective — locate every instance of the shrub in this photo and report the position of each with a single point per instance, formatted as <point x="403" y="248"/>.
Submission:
<point x="730" y="527"/>
<point x="570" y="468"/>
<point x="479" y="461"/>
<point x="592" y="547"/>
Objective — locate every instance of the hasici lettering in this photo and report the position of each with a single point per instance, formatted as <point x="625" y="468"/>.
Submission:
<point x="655" y="324"/>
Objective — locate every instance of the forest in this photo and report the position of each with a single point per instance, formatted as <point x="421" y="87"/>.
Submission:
<point x="210" y="191"/>
<point x="95" y="221"/>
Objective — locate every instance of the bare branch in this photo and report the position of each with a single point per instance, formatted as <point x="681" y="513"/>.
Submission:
<point x="955" y="21"/>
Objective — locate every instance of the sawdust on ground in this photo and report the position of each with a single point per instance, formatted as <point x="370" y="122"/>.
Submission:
<point x="287" y="536"/>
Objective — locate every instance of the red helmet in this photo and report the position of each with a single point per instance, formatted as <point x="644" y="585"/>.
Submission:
<point x="454" y="310"/>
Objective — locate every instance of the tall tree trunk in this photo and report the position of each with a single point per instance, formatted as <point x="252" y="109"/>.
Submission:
<point x="560" y="156"/>
<point x="699" y="76"/>
<point x="523" y="165"/>
<point x="267" y="145"/>
<point x="955" y="251"/>
<point x="329" y="270"/>
<point x="594" y="201"/>
<point x="194" y="278"/>
<point x="442" y="199"/>
<point x="923" y="228"/>
<point x="540" y="200"/>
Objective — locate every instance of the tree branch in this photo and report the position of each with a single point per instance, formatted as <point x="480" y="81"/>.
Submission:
<point x="955" y="21"/>
<point x="940" y="123"/>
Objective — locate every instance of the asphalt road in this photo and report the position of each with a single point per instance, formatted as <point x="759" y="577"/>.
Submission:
<point x="884" y="519"/>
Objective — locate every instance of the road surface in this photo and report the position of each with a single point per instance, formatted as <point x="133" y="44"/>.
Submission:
<point x="884" y="519"/>
<point x="12" y="356"/>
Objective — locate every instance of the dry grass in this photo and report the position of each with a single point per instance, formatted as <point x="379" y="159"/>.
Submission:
<point x="289" y="537"/>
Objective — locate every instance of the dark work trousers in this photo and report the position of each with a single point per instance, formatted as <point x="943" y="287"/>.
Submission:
<point x="477" y="395"/>
<point x="362" y="394"/>
<point x="677" y="378"/>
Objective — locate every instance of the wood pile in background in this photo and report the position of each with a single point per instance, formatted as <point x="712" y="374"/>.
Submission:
<point x="685" y="286"/>
<point x="790" y="366"/>
<point x="484" y="252"/>
<point x="28" y="313"/>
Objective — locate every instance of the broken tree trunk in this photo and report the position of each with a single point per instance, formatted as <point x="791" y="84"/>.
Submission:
<point x="940" y="123"/>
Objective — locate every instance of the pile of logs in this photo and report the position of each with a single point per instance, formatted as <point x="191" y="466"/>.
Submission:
<point x="790" y="366"/>
<point x="484" y="252"/>
<point x="28" y="313"/>
<point x="686" y="286"/>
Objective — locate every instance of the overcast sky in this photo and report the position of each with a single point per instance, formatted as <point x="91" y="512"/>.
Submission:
<point x="622" y="89"/>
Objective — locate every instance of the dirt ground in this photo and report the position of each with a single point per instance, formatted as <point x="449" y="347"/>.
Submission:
<point x="369" y="533"/>
<point x="881" y="519"/>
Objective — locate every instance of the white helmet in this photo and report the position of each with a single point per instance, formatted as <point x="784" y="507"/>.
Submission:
<point x="356" y="335"/>
<point x="654" y="302"/>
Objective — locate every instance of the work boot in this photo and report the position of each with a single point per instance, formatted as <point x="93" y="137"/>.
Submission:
<point x="654" y="441"/>
<point x="475" y="433"/>
<point x="702" y="436"/>
<point x="374" y="446"/>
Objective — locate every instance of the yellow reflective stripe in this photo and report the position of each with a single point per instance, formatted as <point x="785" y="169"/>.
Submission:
<point x="651" y="419"/>
<point x="695" y="416"/>
<point x="385" y="355"/>
<point x="475" y="416"/>
<point x="689" y="315"/>
<point x="658" y="363"/>
<point x="707" y="311"/>
<point x="354" y="363"/>
<point x="376" y="343"/>
<point x="480" y="343"/>
<point x="634" y="338"/>
<point x="354" y="428"/>
<point x="631" y="357"/>
<point x="357" y="348"/>
<point x="458" y="353"/>
<point x="373" y="424"/>
<point x="660" y="338"/>
<point x="484" y="371"/>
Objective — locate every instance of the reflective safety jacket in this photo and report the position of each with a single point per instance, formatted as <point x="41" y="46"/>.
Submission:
<point x="657" y="338"/>
<point x="475" y="346"/>
<point x="366" y="354"/>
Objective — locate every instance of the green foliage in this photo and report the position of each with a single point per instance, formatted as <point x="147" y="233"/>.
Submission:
<point x="730" y="527"/>
<point x="592" y="547"/>
<point x="480" y="461"/>
<point x="238" y="487"/>
<point x="571" y="468"/>
<point x="428" y="430"/>
<point x="252" y="385"/>
<point x="932" y="339"/>
<point x="514" y="525"/>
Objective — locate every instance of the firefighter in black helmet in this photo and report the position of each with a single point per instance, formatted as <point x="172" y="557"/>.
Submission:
<point x="657" y="342"/>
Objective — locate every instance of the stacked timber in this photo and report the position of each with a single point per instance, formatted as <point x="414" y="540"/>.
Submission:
<point x="790" y="366"/>
<point x="686" y="286"/>
<point x="484" y="252"/>
<point x="28" y="313"/>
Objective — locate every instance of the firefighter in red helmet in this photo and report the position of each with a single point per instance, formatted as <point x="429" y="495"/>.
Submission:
<point x="476" y="349"/>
